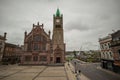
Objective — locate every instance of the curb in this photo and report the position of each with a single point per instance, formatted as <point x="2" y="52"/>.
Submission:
<point x="81" y="75"/>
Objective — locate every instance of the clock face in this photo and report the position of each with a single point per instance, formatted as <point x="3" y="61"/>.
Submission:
<point x="57" y="20"/>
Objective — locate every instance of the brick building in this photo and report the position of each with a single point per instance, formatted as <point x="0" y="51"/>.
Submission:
<point x="2" y="45"/>
<point x="39" y="48"/>
<point x="12" y="53"/>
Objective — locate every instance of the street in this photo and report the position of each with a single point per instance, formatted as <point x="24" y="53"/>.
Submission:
<point x="93" y="71"/>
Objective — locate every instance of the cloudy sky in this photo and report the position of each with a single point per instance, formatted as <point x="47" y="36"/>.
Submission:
<point x="84" y="20"/>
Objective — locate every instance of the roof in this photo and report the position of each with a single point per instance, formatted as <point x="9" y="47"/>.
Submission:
<point x="11" y="45"/>
<point x="58" y="12"/>
<point x="116" y="34"/>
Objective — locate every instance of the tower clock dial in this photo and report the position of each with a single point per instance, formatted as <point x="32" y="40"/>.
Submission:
<point x="57" y="20"/>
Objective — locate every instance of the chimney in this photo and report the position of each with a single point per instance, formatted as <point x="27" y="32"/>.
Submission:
<point x="5" y="35"/>
<point x="33" y="26"/>
<point x="25" y="33"/>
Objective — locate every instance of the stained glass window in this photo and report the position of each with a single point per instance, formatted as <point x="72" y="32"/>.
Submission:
<point x="37" y="38"/>
<point x="36" y="47"/>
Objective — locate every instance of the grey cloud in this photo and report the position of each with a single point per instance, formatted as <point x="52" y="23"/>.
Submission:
<point x="76" y="25"/>
<point x="103" y="17"/>
<point x="83" y="19"/>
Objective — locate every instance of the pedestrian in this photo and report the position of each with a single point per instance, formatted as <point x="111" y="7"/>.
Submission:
<point x="68" y="63"/>
<point x="79" y="71"/>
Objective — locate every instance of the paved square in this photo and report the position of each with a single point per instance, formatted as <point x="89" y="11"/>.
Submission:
<point x="15" y="72"/>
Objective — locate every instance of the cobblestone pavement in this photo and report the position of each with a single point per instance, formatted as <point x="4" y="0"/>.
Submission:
<point x="15" y="72"/>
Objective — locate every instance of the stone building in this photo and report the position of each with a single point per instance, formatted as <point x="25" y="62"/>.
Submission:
<point x="110" y="51"/>
<point x="39" y="48"/>
<point x="2" y="45"/>
<point x="107" y="59"/>
<point x="115" y="46"/>
<point x="58" y="38"/>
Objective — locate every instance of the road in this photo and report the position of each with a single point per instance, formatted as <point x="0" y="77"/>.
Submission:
<point x="93" y="71"/>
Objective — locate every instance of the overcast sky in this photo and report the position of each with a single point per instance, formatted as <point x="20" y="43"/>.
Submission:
<point x="84" y="20"/>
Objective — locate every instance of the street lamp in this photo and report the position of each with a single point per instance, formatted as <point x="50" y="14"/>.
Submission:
<point x="75" y="67"/>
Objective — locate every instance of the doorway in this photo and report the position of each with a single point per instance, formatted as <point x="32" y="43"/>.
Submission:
<point x="58" y="60"/>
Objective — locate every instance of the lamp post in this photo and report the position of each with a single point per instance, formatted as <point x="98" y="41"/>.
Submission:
<point x="75" y="67"/>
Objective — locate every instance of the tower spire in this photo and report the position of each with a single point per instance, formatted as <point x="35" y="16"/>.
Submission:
<point x="58" y="12"/>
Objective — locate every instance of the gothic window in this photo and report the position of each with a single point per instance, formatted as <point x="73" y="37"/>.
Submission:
<point x="29" y="46"/>
<point x="41" y="38"/>
<point x="44" y="47"/>
<point x="43" y="58"/>
<point x="37" y="38"/>
<point x="27" y="58"/>
<point x="44" y="40"/>
<point x="58" y="26"/>
<point x="35" y="58"/>
<point x="36" y="47"/>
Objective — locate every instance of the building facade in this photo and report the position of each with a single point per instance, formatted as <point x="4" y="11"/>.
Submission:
<point x="107" y="59"/>
<point x="36" y="46"/>
<point x="58" y="38"/>
<point x="2" y="45"/>
<point x="39" y="48"/>
<point x="115" y="46"/>
<point x="12" y="54"/>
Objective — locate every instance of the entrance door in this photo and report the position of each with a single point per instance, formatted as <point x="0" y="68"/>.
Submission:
<point x="58" y="60"/>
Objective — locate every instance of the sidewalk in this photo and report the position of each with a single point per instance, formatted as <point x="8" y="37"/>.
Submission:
<point x="108" y="71"/>
<point x="71" y="73"/>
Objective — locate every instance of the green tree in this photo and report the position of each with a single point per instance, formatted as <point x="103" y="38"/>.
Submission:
<point x="74" y="52"/>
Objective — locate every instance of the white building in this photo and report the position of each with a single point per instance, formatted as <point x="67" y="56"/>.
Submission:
<point x="106" y="52"/>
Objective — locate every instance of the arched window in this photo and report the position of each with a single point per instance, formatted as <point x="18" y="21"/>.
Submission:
<point x="37" y="38"/>
<point x="36" y="47"/>
<point x="29" y="46"/>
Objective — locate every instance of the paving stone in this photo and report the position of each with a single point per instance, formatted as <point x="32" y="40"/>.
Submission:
<point x="51" y="78"/>
<point x="21" y="76"/>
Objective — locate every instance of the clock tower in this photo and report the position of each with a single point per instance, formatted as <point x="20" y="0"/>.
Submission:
<point x="58" y="38"/>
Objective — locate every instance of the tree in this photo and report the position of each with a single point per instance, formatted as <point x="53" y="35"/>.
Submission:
<point x="75" y="55"/>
